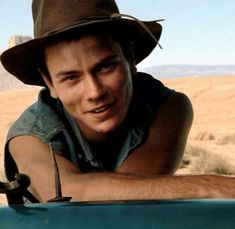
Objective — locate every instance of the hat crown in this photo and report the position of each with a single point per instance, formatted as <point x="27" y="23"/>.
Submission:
<point x="51" y="16"/>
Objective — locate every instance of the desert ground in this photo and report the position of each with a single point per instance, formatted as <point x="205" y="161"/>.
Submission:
<point x="211" y="143"/>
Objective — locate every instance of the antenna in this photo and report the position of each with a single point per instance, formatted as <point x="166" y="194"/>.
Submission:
<point x="58" y="192"/>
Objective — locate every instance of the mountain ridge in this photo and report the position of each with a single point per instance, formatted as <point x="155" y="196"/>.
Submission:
<point x="175" y="71"/>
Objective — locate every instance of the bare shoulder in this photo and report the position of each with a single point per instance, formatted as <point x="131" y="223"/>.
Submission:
<point x="30" y="152"/>
<point x="179" y="103"/>
<point x="175" y="114"/>
<point x="24" y="141"/>
<point x="27" y="147"/>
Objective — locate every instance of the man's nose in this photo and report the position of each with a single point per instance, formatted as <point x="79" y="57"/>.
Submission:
<point x="95" y="89"/>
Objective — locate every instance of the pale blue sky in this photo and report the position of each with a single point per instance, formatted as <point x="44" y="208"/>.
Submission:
<point x="194" y="32"/>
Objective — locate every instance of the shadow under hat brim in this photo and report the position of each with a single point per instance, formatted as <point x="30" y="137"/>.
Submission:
<point x="21" y="60"/>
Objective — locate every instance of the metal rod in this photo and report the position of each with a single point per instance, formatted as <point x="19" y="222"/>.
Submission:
<point x="58" y="191"/>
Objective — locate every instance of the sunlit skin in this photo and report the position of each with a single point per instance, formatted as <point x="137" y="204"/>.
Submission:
<point x="93" y="80"/>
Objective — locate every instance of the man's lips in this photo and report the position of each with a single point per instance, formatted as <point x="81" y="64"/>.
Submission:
<point x="102" y="108"/>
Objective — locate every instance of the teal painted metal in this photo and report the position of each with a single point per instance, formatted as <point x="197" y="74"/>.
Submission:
<point x="131" y="214"/>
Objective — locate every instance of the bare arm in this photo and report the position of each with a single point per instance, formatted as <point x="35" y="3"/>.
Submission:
<point x="110" y="186"/>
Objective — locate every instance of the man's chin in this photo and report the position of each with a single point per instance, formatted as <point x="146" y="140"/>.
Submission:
<point x="107" y="127"/>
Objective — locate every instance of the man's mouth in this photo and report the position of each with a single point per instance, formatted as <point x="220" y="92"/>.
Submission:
<point x="102" y="108"/>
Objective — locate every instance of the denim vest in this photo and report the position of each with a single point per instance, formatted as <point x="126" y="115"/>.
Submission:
<point x="49" y="121"/>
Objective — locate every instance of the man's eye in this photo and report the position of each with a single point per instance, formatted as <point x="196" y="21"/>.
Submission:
<point x="107" y="67"/>
<point x="70" y="77"/>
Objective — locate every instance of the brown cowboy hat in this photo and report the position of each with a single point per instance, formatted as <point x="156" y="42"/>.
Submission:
<point x="57" y="18"/>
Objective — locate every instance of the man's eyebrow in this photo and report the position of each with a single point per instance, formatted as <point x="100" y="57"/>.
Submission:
<point x="105" y="60"/>
<point x="64" y="73"/>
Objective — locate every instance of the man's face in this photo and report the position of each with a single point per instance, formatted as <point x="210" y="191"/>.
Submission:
<point x="92" y="79"/>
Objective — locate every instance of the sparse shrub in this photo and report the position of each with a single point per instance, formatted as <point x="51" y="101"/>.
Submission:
<point x="201" y="161"/>
<point x="204" y="136"/>
<point x="185" y="162"/>
<point x="190" y="155"/>
<point x="209" y="163"/>
<point x="211" y="136"/>
<point x="227" y="139"/>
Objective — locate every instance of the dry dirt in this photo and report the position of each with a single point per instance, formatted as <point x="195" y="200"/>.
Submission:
<point x="213" y="130"/>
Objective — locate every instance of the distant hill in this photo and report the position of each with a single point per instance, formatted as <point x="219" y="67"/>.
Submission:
<point x="174" y="71"/>
<point x="7" y="81"/>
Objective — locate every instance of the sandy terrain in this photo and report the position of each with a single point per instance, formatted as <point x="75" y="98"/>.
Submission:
<point x="213" y="130"/>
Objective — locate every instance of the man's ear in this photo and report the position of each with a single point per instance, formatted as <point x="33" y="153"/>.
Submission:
<point x="50" y="86"/>
<point x="131" y="61"/>
<point x="133" y="69"/>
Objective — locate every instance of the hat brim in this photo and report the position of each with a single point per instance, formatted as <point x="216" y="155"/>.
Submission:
<point x="20" y="60"/>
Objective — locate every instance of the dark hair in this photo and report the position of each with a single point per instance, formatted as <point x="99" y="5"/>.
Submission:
<point x="42" y="67"/>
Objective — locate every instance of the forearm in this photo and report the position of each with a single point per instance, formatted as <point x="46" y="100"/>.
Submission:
<point x="111" y="186"/>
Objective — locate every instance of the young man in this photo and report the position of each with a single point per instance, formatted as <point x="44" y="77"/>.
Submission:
<point x="118" y="134"/>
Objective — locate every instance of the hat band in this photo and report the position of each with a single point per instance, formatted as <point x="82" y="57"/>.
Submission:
<point x="118" y="15"/>
<point x="72" y="23"/>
